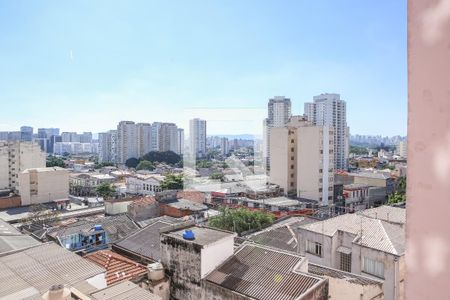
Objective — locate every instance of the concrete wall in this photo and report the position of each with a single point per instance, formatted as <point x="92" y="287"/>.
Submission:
<point x="343" y="289"/>
<point x="280" y="158"/>
<point x="213" y="255"/>
<point x="116" y="207"/>
<point x="391" y="269"/>
<point x="182" y="262"/>
<point x="43" y="185"/>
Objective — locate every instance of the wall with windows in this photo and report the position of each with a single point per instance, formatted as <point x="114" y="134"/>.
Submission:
<point x="370" y="262"/>
<point x="305" y="240"/>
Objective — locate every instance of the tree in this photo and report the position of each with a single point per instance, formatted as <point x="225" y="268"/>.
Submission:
<point x="168" y="157"/>
<point x="105" y="190"/>
<point x="396" y="198"/>
<point x="216" y="176"/>
<point x="173" y="182"/>
<point x="132" y="162"/>
<point x="240" y="220"/>
<point x="145" y="165"/>
<point x="53" y="161"/>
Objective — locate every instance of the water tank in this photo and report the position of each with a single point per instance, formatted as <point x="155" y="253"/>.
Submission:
<point x="155" y="271"/>
<point x="98" y="227"/>
<point x="188" y="235"/>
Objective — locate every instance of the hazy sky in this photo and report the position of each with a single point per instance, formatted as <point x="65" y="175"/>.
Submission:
<point x="85" y="65"/>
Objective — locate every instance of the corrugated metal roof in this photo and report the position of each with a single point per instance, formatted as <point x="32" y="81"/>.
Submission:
<point x="118" y="268"/>
<point x="146" y="242"/>
<point x="350" y="277"/>
<point x="386" y="213"/>
<point x="263" y="273"/>
<point x="117" y="227"/>
<point x="41" y="267"/>
<point x="371" y="233"/>
<point x="124" y="290"/>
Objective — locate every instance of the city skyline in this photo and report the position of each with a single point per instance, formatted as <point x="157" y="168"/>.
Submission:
<point x="150" y="61"/>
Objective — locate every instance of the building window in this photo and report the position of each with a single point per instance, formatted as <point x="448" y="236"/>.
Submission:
<point x="314" y="248"/>
<point x="292" y="149"/>
<point x="292" y="158"/>
<point x="320" y="190"/>
<point x="292" y="175"/>
<point x="373" y="267"/>
<point x="346" y="262"/>
<point x="292" y="167"/>
<point x="320" y="170"/>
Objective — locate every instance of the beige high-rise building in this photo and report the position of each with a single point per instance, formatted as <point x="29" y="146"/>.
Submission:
<point x="144" y="135"/>
<point x="301" y="160"/>
<point x="42" y="185"/>
<point x="15" y="157"/>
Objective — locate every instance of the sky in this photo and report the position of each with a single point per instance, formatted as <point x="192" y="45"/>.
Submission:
<point x="86" y="65"/>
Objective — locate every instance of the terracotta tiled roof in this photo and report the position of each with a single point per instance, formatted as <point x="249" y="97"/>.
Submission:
<point x="118" y="268"/>
<point x="194" y="196"/>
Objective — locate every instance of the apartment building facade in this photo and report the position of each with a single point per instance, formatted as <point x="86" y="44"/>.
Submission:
<point x="43" y="185"/>
<point x="15" y="157"/>
<point x="197" y="137"/>
<point x="302" y="160"/>
<point x="330" y="110"/>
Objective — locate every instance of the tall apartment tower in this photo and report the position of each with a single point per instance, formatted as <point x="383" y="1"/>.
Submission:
<point x="301" y="159"/>
<point x="127" y="137"/>
<point x="156" y="128"/>
<point x="16" y="157"/>
<point x="279" y="112"/>
<point x="224" y="146"/>
<point x="197" y="137"/>
<point x="144" y="131"/>
<point x="330" y="110"/>
<point x="107" y="146"/>
<point x="168" y="137"/>
<point x="180" y="138"/>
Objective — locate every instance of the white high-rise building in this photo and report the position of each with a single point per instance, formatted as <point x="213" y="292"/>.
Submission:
<point x="15" y="157"/>
<point x="224" y="146"/>
<point x="156" y="128"/>
<point x="107" y="146"/>
<point x="279" y="112"/>
<point x="168" y="137"/>
<point x="197" y="137"/>
<point x="144" y="138"/>
<point x="127" y="141"/>
<point x="330" y="110"/>
<point x="302" y="160"/>
<point x="402" y="149"/>
<point x="180" y="138"/>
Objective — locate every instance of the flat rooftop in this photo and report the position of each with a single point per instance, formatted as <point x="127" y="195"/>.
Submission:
<point x="203" y="235"/>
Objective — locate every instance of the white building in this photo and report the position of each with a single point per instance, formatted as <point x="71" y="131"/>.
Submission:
<point x="107" y="146"/>
<point x="402" y="149"/>
<point x="15" y="157"/>
<point x="302" y="159"/>
<point x="144" y="134"/>
<point x="156" y="127"/>
<point x="60" y="148"/>
<point x="144" y="184"/>
<point x="168" y="137"/>
<point x="330" y="110"/>
<point x="180" y="138"/>
<point x="42" y="185"/>
<point x="361" y="244"/>
<point x="224" y="146"/>
<point x="197" y="137"/>
<point x="279" y="112"/>
<point x="127" y="141"/>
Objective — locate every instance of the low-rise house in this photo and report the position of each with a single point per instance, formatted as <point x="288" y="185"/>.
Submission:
<point x="85" y="184"/>
<point x="124" y="290"/>
<point x="141" y="184"/>
<point x="393" y="215"/>
<point x="144" y="208"/>
<point x="90" y="235"/>
<point x="358" y="244"/>
<point x="356" y="195"/>
<point x="203" y="265"/>
<point x="179" y="208"/>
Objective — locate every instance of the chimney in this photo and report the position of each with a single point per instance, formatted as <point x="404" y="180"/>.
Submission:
<point x="57" y="292"/>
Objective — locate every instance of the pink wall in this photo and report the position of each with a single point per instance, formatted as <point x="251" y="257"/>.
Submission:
<point x="428" y="205"/>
